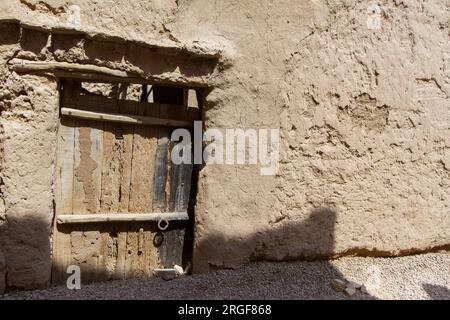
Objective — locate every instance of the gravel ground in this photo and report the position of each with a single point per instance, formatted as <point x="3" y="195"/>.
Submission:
<point x="424" y="276"/>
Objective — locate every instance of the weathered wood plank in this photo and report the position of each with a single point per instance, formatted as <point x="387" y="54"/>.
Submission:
<point x="100" y="103"/>
<point x="64" y="167"/>
<point x="97" y="155"/>
<point x="86" y="182"/>
<point x="112" y="153"/>
<point x="96" y="141"/>
<point x="63" y="198"/>
<point x="125" y="181"/>
<point x="96" y="138"/>
<point x="123" y="118"/>
<point x="121" y="255"/>
<point x="102" y="271"/>
<point x="161" y="170"/>
<point x="174" y="240"/>
<point x="130" y="253"/>
<point x="126" y="159"/>
<point x="150" y="254"/>
<point x="113" y="239"/>
<point x="109" y="185"/>
<point x="79" y="177"/>
<point x="86" y="247"/>
<point x="180" y="185"/>
<point x="171" y="251"/>
<point x="109" y="252"/>
<point x="86" y="194"/>
<point x="109" y="177"/>
<point x="144" y="146"/>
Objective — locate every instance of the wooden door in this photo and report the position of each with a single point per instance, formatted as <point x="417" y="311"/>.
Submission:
<point x="114" y="168"/>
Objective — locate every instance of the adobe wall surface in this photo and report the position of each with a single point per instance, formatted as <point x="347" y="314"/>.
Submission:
<point x="364" y="119"/>
<point x="29" y="116"/>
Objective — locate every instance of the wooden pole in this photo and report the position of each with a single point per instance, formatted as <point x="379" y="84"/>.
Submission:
<point x="121" y="217"/>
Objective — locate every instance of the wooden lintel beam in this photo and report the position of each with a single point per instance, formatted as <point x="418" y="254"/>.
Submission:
<point x="91" y="72"/>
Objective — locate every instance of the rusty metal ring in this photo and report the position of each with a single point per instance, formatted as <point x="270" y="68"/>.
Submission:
<point x="163" y="224"/>
<point x="158" y="239"/>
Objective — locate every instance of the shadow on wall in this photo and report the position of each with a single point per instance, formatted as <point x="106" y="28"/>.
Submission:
<point x="437" y="292"/>
<point x="312" y="239"/>
<point x="26" y="251"/>
<point x="307" y="240"/>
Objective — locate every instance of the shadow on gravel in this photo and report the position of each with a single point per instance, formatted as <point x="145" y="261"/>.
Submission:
<point x="311" y="241"/>
<point x="437" y="292"/>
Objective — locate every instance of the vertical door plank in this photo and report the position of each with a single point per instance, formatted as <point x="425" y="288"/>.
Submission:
<point x="121" y="255"/>
<point x="112" y="152"/>
<point x="159" y="202"/>
<point x="116" y="178"/>
<point x="109" y="180"/>
<point x="125" y="182"/>
<point x="86" y="246"/>
<point x="109" y="252"/>
<point x="113" y="259"/>
<point x="180" y="186"/>
<point x="84" y="166"/>
<point x="90" y="171"/>
<point x="97" y="156"/>
<point x="96" y="261"/>
<point x="150" y="254"/>
<point x="86" y="194"/>
<point x="64" y="167"/>
<point x="126" y="159"/>
<point x="102" y="270"/>
<point x="144" y="147"/>
<point x="63" y="198"/>
<point x="124" y="146"/>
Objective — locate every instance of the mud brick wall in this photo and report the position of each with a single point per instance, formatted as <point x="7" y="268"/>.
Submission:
<point x="364" y="118"/>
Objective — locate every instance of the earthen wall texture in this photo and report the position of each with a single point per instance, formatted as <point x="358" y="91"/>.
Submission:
<point x="363" y="113"/>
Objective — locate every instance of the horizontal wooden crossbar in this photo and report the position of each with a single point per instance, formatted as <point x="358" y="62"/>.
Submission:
<point x="117" y="117"/>
<point x="121" y="217"/>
